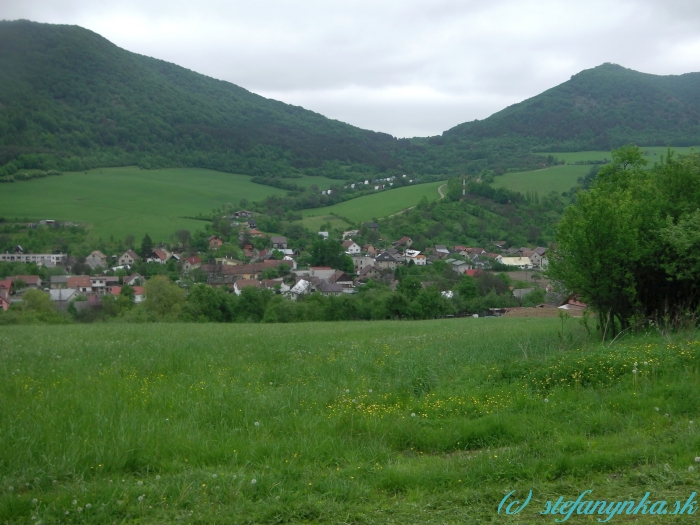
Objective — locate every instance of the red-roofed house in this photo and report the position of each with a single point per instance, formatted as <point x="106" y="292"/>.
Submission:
<point x="4" y="303"/>
<point x="190" y="263"/>
<point x="82" y="283"/>
<point x="33" y="282"/>
<point x="6" y="288"/>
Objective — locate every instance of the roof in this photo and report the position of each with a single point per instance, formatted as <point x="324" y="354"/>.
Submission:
<point x="255" y="232"/>
<point x="301" y="287"/>
<point x="278" y="239"/>
<point x="384" y="257"/>
<point x="339" y="276"/>
<point x="55" y="279"/>
<point x="132" y="277"/>
<point x="325" y="286"/>
<point x="130" y="253"/>
<point x="212" y="237"/>
<point x="368" y="269"/>
<point x="97" y="253"/>
<point x="515" y="261"/>
<point x="28" y="279"/>
<point x="193" y="260"/>
<point x="247" y="283"/>
<point x="320" y="268"/>
<point x="160" y="254"/>
<point x="62" y="294"/>
<point x="347" y="244"/>
<point x="79" y="281"/>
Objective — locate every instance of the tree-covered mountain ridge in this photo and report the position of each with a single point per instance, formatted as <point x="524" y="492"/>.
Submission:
<point x="72" y="100"/>
<point x="599" y="108"/>
<point x="68" y="93"/>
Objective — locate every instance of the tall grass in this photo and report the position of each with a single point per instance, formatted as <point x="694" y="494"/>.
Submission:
<point x="335" y="422"/>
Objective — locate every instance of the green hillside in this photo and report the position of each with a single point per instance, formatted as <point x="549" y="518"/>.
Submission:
<point x="427" y="422"/>
<point x="378" y="205"/>
<point x="130" y="201"/>
<point x="71" y="99"/>
<point x="600" y="108"/>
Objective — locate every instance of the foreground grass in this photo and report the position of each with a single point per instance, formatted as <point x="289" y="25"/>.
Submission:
<point x="386" y="422"/>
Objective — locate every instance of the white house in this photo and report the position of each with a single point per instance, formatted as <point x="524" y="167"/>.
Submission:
<point x="351" y="247"/>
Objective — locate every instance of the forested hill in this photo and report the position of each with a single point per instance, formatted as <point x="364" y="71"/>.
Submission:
<point x="67" y="93"/>
<point x="600" y="108"/>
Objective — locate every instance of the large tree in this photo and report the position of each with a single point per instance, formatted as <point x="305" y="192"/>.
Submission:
<point x="626" y="245"/>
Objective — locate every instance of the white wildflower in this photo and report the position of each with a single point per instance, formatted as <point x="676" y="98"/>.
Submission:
<point x="88" y="505"/>
<point x="546" y="400"/>
<point x="253" y="481"/>
<point x="139" y="482"/>
<point x="74" y="502"/>
<point x="213" y="476"/>
<point x="158" y="477"/>
<point x="257" y="424"/>
<point x="413" y="414"/>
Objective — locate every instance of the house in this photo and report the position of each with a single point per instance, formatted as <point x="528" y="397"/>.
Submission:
<point x="245" y="283"/>
<point x="324" y="235"/>
<point x="242" y="214"/>
<point x="96" y="259"/>
<point x="368" y="248"/>
<point x="252" y="224"/>
<point x="138" y="292"/>
<point x="523" y="263"/>
<point x="58" y="281"/>
<point x="302" y="287"/>
<point x="215" y="242"/>
<point x="33" y="282"/>
<point x="341" y="278"/>
<point x="404" y="241"/>
<point x="459" y="266"/>
<point x="226" y="274"/>
<point x="441" y="249"/>
<point x="81" y="283"/>
<point x="275" y="284"/>
<point x="62" y="296"/>
<point x="255" y="233"/>
<point x="128" y="258"/>
<point x="360" y="261"/>
<point x="520" y="293"/>
<point x="134" y="280"/>
<point x="472" y="273"/>
<point x="279" y="242"/>
<point x="49" y="260"/>
<point x="159" y="256"/>
<point x="4" y="303"/>
<point x="385" y="261"/>
<point x="327" y="288"/>
<point x="351" y="247"/>
<point x="322" y="272"/>
<point x="6" y="288"/>
<point x="190" y="263"/>
<point x="373" y="226"/>
<point x="420" y="260"/>
<point x="369" y="272"/>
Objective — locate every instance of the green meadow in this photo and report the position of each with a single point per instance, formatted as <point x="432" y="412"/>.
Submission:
<point x="378" y="205"/>
<point x="556" y="178"/>
<point x="130" y="200"/>
<point x="364" y="422"/>
<point x="564" y="177"/>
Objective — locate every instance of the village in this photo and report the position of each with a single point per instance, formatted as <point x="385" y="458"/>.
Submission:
<point x="273" y="267"/>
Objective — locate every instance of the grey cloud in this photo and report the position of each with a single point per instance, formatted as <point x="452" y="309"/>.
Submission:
<point x="409" y="67"/>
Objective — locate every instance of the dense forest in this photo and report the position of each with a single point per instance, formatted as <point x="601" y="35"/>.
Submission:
<point x="71" y="100"/>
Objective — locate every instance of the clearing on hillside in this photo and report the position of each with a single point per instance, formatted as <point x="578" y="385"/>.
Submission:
<point x="378" y="205"/>
<point x="130" y="200"/>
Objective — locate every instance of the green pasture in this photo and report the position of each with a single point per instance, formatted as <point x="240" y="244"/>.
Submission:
<point x="378" y="205"/>
<point x="355" y="422"/>
<point x="556" y="178"/>
<point x="564" y="177"/>
<point x="129" y="200"/>
<point x="652" y="153"/>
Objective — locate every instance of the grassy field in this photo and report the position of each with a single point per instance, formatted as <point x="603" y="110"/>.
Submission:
<point x="563" y="178"/>
<point x="556" y="178"/>
<point x="652" y="153"/>
<point x="377" y="205"/>
<point x="383" y="422"/>
<point x="123" y="201"/>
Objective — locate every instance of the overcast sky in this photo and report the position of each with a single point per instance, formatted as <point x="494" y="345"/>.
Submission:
<point x="408" y="67"/>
